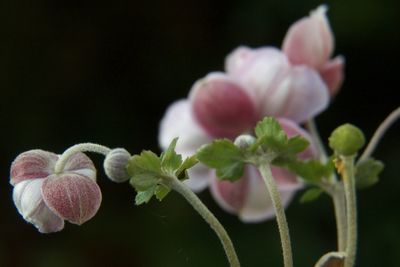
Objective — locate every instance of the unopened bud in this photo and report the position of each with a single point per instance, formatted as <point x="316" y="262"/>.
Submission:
<point x="115" y="165"/>
<point x="346" y="140"/>
<point x="244" y="141"/>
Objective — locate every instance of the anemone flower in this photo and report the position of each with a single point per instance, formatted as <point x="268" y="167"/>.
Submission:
<point x="45" y="198"/>
<point x="220" y="107"/>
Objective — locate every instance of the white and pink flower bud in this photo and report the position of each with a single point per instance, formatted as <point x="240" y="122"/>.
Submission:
<point x="45" y="198"/>
<point x="248" y="197"/>
<point x="309" y="41"/>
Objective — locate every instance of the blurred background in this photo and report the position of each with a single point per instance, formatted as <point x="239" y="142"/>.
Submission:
<point x="106" y="72"/>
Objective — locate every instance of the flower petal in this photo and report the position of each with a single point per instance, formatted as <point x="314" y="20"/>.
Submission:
<point x="258" y="206"/>
<point x="32" y="164"/>
<point x="28" y="199"/>
<point x="300" y="96"/>
<point x="199" y="177"/>
<point x="81" y="164"/>
<point x="333" y="74"/>
<point x="258" y="70"/>
<point x="249" y="198"/>
<point x="229" y="195"/>
<point x="222" y="107"/>
<point x="73" y="197"/>
<point x="309" y="41"/>
<point x="179" y="122"/>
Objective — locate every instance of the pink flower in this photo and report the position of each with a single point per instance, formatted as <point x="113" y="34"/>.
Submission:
<point x="219" y="106"/>
<point x="310" y="42"/>
<point x="45" y="198"/>
<point x="294" y="84"/>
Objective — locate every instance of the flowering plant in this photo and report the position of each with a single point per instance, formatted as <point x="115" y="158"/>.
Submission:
<point x="241" y="133"/>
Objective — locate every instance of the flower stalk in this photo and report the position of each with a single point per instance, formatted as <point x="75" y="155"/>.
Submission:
<point x="83" y="147"/>
<point x="204" y="212"/>
<point x="266" y="173"/>
<point x="347" y="172"/>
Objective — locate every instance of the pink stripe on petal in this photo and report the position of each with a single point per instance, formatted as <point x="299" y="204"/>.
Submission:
<point x="32" y="164"/>
<point x="73" y="197"/>
<point x="333" y="74"/>
<point x="222" y="107"/>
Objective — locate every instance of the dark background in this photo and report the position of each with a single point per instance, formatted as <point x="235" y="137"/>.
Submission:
<point x="106" y="72"/>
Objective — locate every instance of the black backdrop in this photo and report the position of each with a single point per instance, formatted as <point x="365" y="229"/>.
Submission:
<point x="105" y="72"/>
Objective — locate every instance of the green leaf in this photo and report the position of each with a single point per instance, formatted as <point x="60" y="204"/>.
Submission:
<point x="225" y="157"/>
<point x="161" y="192"/>
<point x="310" y="195"/>
<point x="145" y="170"/>
<point x="144" y="196"/>
<point x="171" y="161"/>
<point x="311" y="171"/>
<point x="189" y="162"/>
<point x="270" y="134"/>
<point x="367" y="172"/>
<point x="296" y="145"/>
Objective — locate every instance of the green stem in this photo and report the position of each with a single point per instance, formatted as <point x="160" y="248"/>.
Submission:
<point x="188" y="194"/>
<point x="339" y="204"/>
<point x="312" y="127"/>
<point x="385" y="125"/>
<point x="351" y="209"/>
<point x="265" y="171"/>
<point x="84" y="147"/>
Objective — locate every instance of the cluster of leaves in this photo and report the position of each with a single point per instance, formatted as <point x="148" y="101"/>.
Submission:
<point x="271" y="145"/>
<point x="150" y="173"/>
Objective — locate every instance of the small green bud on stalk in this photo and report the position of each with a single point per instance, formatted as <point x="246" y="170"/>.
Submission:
<point x="346" y="140"/>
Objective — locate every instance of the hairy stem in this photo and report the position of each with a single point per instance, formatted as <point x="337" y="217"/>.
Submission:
<point x="347" y="172"/>
<point x="385" y="125"/>
<point x="223" y="236"/>
<point x="340" y="215"/>
<point x="265" y="171"/>
<point x="84" y="147"/>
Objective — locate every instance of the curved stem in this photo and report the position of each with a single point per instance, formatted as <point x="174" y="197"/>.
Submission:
<point x="385" y="125"/>
<point x="339" y="204"/>
<point x="265" y="171"/>
<point x="347" y="172"/>
<point x="84" y="147"/>
<point x="312" y="127"/>
<point x="208" y="217"/>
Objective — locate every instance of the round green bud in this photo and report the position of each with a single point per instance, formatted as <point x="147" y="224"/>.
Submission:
<point x="346" y="140"/>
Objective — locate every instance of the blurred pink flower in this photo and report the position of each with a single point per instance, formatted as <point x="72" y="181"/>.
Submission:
<point x="218" y="106"/>
<point x="46" y="199"/>
<point x="293" y="85"/>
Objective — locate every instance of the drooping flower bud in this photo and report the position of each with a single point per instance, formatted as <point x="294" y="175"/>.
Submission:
<point x="45" y="198"/>
<point x="115" y="165"/>
<point x="346" y="140"/>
